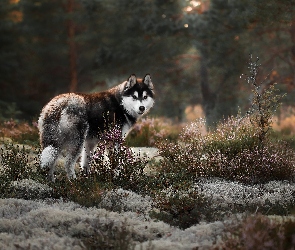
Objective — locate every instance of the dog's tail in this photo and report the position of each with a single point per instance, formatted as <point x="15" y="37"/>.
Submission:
<point x="48" y="128"/>
<point x="48" y="156"/>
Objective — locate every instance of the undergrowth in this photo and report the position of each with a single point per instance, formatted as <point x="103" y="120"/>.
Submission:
<point x="16" y="165"/>
<point x="260" y="232"/>
<point x="240" y="149"/>
<point x="20" y="132"/>
<point x="233" y="151"/>
<point x="148" y="131"/>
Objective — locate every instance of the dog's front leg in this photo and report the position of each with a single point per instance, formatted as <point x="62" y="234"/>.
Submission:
<point x="88" y="148"/>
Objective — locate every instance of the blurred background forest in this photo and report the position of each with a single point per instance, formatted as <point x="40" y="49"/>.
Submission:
<point x="195" y="51"/>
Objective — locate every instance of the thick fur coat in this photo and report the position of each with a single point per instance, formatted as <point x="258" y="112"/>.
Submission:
<point x="73" y="122"/>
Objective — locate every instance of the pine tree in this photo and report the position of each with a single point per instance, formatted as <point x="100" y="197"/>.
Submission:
<point x="10" y="72"/>
<point x="225" y="34"/>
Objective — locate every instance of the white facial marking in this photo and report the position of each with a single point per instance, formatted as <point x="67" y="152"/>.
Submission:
<point x="135" y="95"/>
<point x="148" y="103"/>
<point x="125" y="130"/>
<point x="131" y="104"/>
<point x="144" y="95"/>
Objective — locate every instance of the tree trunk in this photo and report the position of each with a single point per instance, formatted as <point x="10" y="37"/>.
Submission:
<point x="208" y="96"/>
<point x="72" y="47"/>
<point x="292" y="33"/>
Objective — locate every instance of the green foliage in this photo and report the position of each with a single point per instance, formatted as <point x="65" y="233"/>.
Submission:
<point x="10" y="58"/>
<point x="9" y="111"/>
<point x="221" y="55"/>
<point x="261" y="232"/>
<point x="159" y="37"/>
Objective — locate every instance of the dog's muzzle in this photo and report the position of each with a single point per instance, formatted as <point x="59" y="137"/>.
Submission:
<point x="141" y="109"/>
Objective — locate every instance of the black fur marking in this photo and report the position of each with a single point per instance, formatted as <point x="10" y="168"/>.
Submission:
<point x="103" y="111"/>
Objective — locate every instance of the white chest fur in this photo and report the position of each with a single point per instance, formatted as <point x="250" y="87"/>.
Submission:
<point x="126" y="128"/>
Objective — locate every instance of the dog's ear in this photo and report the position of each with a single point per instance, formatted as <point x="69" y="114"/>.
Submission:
<point x="148" y="81"/>
<point x="130" y="82"/>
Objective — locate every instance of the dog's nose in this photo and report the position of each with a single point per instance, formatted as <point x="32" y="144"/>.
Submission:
<point x="141" y="108"/>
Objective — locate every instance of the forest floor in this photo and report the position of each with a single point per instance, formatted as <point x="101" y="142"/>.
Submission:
<point x="48" y="223"/>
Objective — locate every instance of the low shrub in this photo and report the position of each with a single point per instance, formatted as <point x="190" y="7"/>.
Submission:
<point x="261" y="232"/>
<point x="239" y="149"/>
<point x="20" y="132"/>
<point x="111" y="236"/>
<point x="120" y="167"/>
<point x="15" y="166"/>
<point x="148" y="131"/>
<point x="233" y="151"/>
<point x="85" y="190"/>
<point x="181" y="207"/>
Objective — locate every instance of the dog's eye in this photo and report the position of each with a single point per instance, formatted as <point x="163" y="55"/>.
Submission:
<point x="145" y="97"/>
<point x="134" y="97"/>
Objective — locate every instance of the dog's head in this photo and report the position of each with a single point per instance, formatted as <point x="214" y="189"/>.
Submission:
<point x="138" y="95"/>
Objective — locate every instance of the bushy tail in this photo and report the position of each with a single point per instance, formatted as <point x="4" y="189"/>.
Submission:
<point x="48" y="157"/>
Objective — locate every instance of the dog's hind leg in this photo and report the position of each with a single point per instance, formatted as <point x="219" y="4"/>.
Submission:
<point x="74" y="148"/>
<point x="70" y="160"/>
<point x="73" y="127"/>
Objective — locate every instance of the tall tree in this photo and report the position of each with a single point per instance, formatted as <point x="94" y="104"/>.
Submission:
<point x="225" y="34"/>
<point x="222" y="59"/>
<point x="10" y="59"/>
<point x="71" y="30"/>
<point x="142" y="36"/>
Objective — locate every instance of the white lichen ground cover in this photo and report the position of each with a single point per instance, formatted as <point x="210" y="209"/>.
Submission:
<point x="44" y="223"/>
<point x="56" y="224"/>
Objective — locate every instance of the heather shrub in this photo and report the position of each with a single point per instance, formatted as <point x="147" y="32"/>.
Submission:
<point x="20" y="132"/>
<point x="85" y="190"/>
<point x="122" y="169"/>
<point x="15" y="165"/>
<point x="240" y="148"/>
<point x="22" y="178"/>
<point x="264" y="103"/>
<point x="114" y="163"/>
<point x="110" y="236"/>
<point x="180" y="206"/>
<point x="148" y="131"/>
<point x="261" y="232"/>
<point x="232" y="152"/>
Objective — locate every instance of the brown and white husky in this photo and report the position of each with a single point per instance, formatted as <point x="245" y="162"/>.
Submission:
<point x="73" y="122"/>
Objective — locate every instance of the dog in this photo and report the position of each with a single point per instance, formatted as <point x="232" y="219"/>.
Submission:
<point x="74" y="122"/>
